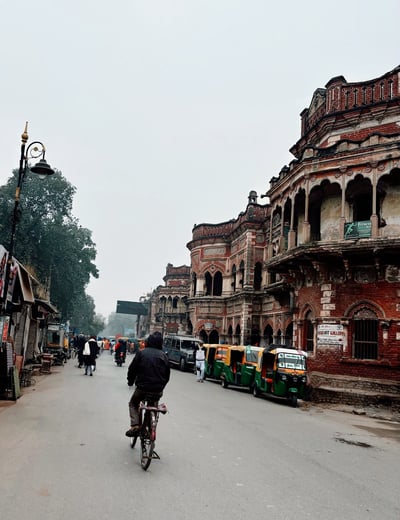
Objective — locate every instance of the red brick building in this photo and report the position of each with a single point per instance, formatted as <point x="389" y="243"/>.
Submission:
<point x="319" y="265"/>
<point x="168" y="308"/>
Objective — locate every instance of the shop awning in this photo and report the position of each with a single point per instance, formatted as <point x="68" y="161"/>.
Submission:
<point x="25" y="283"/>
<point x="45" y="306"/>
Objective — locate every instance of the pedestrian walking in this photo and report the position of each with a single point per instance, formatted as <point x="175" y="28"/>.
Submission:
<point x="80" y="345"/>
<point x="90" y="351"/>
<point x="200" y="363"/>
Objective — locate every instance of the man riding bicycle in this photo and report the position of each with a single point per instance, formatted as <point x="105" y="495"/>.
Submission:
<point x="150" y="372"/>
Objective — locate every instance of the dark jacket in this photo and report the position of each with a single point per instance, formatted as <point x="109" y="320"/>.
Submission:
<point x="94" y="350"/>
<point x="149" y="370"/>
<point x="120" y="346"/>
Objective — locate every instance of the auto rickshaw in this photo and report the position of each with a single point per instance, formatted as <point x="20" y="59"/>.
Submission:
<point x="214" y="360"/>
<point x="239" y="366"/>
<point x="281" y="372"/>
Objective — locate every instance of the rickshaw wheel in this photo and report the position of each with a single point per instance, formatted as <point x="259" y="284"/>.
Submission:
<point x="224" y="383"/>
<point x="293" y="400"/>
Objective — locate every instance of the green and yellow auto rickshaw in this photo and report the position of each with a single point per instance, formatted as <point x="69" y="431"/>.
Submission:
<point x="240" y="365"/>
<point x="214" y="360"/>
<point x="281" y="372"/>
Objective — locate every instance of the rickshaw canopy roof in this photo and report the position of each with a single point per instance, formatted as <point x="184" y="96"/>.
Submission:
<point x="284" y="350"/>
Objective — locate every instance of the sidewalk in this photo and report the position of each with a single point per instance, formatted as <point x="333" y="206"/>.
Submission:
<point x="39" y="378"/>
<point x="374" y="412"/>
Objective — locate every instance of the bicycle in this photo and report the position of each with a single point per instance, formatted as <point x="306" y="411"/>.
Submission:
<point x="149" y="412"/>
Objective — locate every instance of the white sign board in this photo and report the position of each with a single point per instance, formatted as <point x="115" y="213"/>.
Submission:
<point x="330" y="334"/>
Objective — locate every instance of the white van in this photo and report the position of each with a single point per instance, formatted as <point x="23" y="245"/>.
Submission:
<point x="181" y="350"/>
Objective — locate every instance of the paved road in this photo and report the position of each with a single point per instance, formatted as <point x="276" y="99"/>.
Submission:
<point x="224" y="455"/>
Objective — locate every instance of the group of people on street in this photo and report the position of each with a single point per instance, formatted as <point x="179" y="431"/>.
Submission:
<point x="87" y="352"/>
<point x="149" y="371"/>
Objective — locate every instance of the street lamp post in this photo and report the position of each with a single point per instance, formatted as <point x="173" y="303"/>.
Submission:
<point x="33" y="150"/>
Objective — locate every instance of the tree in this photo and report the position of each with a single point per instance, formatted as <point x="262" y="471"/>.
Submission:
<point x="83" y="319"/>
<point x="50" y="240"/>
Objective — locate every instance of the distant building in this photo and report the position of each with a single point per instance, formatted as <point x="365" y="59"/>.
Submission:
<point x="168" y="303"/>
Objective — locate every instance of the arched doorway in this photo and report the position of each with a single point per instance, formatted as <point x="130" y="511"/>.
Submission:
<point x="237" y="335"/>
<point x="268" y="335"/>
<point x="255" y="336"/>
<point x="213" y="337"/>
<point x="230" y="335"/>
<point x="289" y="335"/>
<point x="203" y="336"/>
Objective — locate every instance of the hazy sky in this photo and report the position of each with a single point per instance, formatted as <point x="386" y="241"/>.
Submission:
<point x="166" y="113"/>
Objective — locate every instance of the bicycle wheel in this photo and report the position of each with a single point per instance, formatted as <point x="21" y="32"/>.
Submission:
<point x="147" y="441"/>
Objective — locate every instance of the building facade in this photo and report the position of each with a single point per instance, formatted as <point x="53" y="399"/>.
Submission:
<point x="168" y="303"/>
<point x="318" y="267"/>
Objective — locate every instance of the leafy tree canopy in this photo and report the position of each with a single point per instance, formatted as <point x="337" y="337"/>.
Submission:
<point x="51" y="241"/>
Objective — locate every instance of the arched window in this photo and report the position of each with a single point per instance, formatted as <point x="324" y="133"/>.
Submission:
<point x="189" y="327"/>
<point x="194" y="283"/>
<point x="217" y="284"/>
<point x="365" y="334"/>
<point x="230" y="334"/>
<point x="241" y="273"/>
<point x="162" y="304"/>
<point x="359" y="198"/>
<point x="255" y="336"/>
<point x="308" y="342"/>
<point x="208" y="281"/>
<point x="233" y="284"/>
<point x="289" y="335"/>
<point x="175" y="302"/>
<point x="213" y="337"/>
<point x="257" y="276"/>
<point x="237" y="334"/>
<point x="213" y="284"/>
<point x="268" y="335"/>
<point x="203" y="336"/>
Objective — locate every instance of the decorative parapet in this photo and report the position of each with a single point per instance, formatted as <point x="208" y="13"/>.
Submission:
<point x="340" y="96"/>
<point x="181" y="270"/>
<point x="254" y="213"/>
